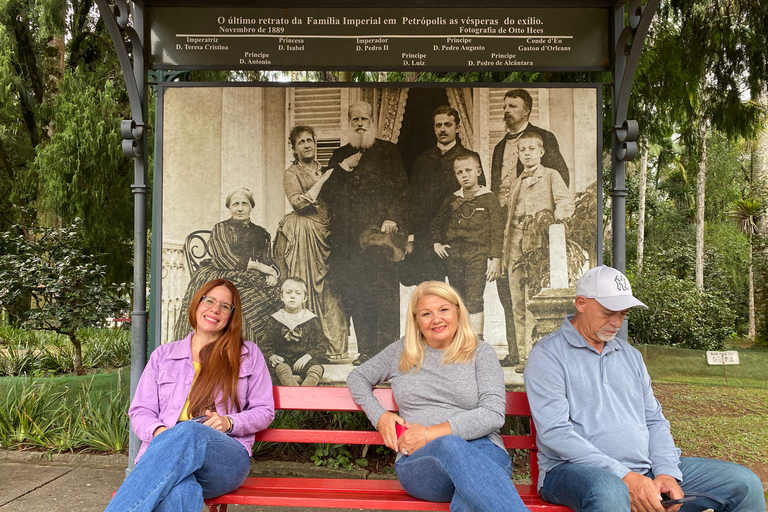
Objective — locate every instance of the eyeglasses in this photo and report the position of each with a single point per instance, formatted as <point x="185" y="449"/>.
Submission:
<point x="225" y="307"/>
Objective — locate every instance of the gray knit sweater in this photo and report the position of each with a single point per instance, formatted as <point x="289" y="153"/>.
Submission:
<point x="470" y="396"/>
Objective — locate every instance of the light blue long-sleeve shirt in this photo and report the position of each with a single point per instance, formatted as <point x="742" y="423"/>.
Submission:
<point x="596" y="408"/>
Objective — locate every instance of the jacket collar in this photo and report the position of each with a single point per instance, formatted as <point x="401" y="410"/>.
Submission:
<point x="183" y="349"/>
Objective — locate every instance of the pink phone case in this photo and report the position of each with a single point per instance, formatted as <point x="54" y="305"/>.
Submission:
<point x="399" y="429"/>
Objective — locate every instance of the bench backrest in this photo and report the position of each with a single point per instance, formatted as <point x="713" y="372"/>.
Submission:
<point x="299" y="398"/>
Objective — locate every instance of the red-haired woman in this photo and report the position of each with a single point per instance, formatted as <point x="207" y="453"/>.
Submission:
<point x="196" y="408"/>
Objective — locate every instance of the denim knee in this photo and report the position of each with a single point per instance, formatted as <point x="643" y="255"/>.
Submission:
<point x="747" y="488"/>
<point x="585" y="488"/>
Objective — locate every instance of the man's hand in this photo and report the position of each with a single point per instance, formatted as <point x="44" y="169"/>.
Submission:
<point x="644" y="494"/>
<point x="275" y="360"/>
<point x="386" y="427"/>
<point x="440" y="249"/>
<point x="389" y="226"/>
<point x="301" y="362"/>
<point x="494" y="269"/>
<point x="351" y="162"/>
<point x="669" y="486"/>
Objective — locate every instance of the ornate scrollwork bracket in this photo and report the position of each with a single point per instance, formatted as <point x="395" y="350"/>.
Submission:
<point x="130" y="55"/>
<point x="628" y="47"/>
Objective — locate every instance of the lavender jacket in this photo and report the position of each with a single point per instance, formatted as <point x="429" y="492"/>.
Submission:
<point x="164" y="386"/>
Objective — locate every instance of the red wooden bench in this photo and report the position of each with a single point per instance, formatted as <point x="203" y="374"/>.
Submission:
<point x="356" y="493"/>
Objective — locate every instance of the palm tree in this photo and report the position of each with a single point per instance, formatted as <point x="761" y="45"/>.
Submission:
<point x="747" y="214"/>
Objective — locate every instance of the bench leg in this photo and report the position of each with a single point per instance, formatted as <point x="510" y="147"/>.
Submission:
<point x="218" y="508"/>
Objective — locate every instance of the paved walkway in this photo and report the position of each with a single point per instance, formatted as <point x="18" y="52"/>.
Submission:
<point x="32" y="482"/>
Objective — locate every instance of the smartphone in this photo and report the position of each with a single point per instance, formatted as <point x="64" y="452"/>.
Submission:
<point x="669" y="503"/>
<point x="399" y="429"/>
<point x="200" y="419"/>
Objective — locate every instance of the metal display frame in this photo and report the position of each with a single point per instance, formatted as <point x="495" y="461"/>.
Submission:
<point x="127" y="24"/>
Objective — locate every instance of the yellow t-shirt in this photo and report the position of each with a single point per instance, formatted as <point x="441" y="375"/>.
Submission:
<point x="184" y="416"/>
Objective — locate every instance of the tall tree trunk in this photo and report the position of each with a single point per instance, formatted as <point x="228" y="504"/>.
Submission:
<point x="701" y="181"/>
<point x="760" y="251"/>
<point x="751" y="292"/>
<point x="641" y="210"/>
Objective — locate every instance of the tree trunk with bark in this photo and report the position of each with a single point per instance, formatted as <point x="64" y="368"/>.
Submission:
<point x="701" y="181"/>
<point x="77" y="359"/>
<point x="760" y="246"/>
<point x="641" y="210"/>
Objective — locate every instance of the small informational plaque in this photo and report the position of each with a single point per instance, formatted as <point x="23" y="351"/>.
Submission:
<point x="720" y="358"/>
<point x="379" y="39"/>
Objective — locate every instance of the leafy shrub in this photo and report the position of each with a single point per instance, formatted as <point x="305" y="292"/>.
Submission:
<point x="679" y="314"/>
<point x="51" y="415"/>
<point x="44" y="353"/>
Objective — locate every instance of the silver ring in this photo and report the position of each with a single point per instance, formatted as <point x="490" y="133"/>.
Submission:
<point x="405" y="452"/>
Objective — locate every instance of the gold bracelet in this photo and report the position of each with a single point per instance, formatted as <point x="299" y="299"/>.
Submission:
<point x="426" y="435"/>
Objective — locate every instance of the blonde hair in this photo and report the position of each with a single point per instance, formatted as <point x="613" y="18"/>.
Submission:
<point x="461" y="350"/>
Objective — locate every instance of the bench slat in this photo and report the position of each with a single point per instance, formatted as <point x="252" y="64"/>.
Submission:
<point x="347" y="493"/>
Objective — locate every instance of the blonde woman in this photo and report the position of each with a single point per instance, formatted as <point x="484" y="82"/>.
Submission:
<point x="449" y="388"/>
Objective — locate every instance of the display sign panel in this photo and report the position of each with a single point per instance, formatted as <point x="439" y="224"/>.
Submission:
<point x="418" y="39"/>
<point x="265" y="184"/>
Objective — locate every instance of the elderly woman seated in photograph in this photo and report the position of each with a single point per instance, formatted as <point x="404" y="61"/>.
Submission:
<point x="240" y="252"/>
<point x="197" y="406"/>
<point x="449" y="389"/>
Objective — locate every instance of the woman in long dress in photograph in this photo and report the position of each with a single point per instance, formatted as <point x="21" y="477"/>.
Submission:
<point x="240" y="252"/>
<point x="301" y="242"/>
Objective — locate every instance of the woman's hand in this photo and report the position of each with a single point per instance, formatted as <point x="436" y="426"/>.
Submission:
<point x="275" y="360"/>
<point x="386" y="427"/>
<point x="417" y="436"/>
<point x="270" y="273"/>
<point x="412" y="439"/>
<point x="215" y="420"/>
<point x="159" y="430"/>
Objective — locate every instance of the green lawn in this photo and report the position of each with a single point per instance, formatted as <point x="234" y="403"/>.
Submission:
<point x="666" y="364"/>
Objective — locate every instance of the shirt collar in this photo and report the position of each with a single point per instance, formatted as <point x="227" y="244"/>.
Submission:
<point x="445" y="148"/>
<point x="576" y="340"/>
<point x="481" y="191"/>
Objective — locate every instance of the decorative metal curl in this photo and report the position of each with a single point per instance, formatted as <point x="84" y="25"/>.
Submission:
<point x="130" y="55"/>
<point x="132" y="138"/>
<point x="628" y="46"/>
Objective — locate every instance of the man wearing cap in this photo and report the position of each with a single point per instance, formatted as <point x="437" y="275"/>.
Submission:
<point x="604" y="444"/>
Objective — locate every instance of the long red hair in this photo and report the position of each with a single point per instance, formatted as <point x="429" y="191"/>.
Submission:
<point x="220" y="360"/>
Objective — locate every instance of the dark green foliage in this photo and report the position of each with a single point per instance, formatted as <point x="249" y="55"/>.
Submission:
<point x="679" y="314"/>
<point x="67" y="284"/>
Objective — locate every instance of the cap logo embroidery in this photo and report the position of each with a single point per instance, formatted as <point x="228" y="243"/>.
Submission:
<point x="621" y="283"/>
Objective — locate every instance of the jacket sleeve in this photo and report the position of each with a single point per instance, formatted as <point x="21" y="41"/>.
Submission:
<point x="561" y="196"/>
<point x="318" y="343"/>
<point x="496" y="230"/>
<point x="545" y="387"/>
<point x="259" y="406"/>
<point x="145" y="407"/>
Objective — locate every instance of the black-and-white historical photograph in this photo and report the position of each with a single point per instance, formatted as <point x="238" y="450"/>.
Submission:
<point x="326" y="205"/>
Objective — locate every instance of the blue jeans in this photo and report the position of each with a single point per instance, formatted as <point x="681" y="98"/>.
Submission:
<point x="721" y="486"/>
<point x="183" y="465"/>
<point x="472" y="475"/>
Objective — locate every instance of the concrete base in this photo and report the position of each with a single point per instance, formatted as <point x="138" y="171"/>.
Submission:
<point x="550" y="307"/>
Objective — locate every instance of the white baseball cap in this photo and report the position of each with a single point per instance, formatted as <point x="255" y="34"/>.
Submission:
<point x="609" y="287"/>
